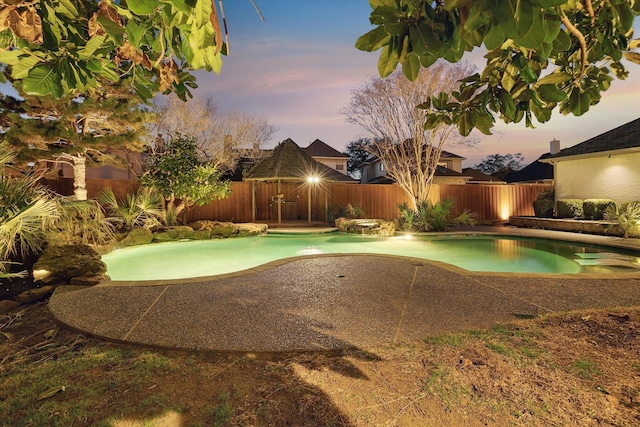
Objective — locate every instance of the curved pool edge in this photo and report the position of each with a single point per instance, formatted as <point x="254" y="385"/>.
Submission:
<point x="417" y="261"/>
<point x="496" y="231"/>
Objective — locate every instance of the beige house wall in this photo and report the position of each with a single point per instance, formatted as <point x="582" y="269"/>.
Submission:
<point x="616" y="177"/>
<point x="335" y="163"/>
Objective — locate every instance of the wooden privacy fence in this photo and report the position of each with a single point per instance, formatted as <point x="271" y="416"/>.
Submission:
<point x="489" y="202"/>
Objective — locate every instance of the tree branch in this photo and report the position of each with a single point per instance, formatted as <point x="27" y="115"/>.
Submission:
<point x="581" y="40"/>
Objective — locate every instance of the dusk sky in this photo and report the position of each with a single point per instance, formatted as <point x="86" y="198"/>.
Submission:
<point x="298" y="69"/>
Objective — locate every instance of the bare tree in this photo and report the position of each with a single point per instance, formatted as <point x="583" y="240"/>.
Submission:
<point x="223" y="139"/>
<point x="387" y="109"/>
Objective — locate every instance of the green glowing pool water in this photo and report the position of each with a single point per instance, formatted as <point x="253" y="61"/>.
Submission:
<point x="180" y="260"/>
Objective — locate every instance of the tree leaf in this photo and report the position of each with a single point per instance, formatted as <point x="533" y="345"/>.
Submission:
<point x="411" y="66"/>
<point x="10" y="57"/>
<point x="23" y="67"/>
<point x="548" y="4"/>
<point x="550" y="93"/>
<point x="142" y="7"/>
<point x="632" y="56"/>
<point x="388" y="59"/>
<point x="373" y="40"/>
<point x="43" y="80"/>
<point x="494" y="37"/>
<point x="92" y="45"/>
<point x="66" y="8"/>
<point x="555" y="78"/>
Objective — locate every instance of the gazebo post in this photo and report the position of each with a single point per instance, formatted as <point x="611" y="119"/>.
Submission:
<point x="279" y="199"/>
<point x="309" y="204"/>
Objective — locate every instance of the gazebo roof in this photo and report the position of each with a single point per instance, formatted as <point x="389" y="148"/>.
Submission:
<point x="289" y="162"/>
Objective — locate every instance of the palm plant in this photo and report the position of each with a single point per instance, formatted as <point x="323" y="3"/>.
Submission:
<point x="407" y="216"/>
<point x="142" y="209"/>
<point x="27" y="211"/>
<point x="626" y="214"/>
<point x="81" y="221"/>
<point x="434" y="217"/>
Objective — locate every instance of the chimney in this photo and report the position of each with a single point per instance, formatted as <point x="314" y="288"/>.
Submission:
<point x="554" y="147"/>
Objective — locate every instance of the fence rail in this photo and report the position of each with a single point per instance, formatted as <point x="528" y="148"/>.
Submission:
<point x="488" y="202"/>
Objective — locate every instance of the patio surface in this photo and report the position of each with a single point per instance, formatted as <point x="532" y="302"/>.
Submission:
<point x="334" y="302"/>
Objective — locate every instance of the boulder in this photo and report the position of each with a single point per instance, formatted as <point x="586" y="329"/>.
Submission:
<point x="35" y="294"/>
<point x="8" y="305"/>
<point x="59" y="264"/>
<point x="137" y="236"/>
<point x="219" y="229"/>
<point x="377" y="227"/>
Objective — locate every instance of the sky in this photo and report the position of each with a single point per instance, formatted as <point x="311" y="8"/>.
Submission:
<point x="299" y="67"/>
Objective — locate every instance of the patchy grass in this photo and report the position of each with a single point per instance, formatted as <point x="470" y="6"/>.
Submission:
<point x="577" y="368"/>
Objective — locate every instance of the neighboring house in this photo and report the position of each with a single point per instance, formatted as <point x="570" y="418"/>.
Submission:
<point x="449" y="171"/>
<point x="603" y="167"/>
<point x="328" y="156"/>
<point x="478" y="177"/>
<point x="536" y="172"/>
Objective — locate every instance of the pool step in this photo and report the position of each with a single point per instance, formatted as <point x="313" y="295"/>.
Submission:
<point x="608" y="259"/>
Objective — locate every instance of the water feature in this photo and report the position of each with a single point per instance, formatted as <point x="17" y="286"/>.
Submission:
<point x="189" y="259"/>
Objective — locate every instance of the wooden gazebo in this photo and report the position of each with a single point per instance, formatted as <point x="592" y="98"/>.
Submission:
<point x="289" y="163"/>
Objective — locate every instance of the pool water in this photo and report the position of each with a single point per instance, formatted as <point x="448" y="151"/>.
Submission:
<point x="179" y="260"/>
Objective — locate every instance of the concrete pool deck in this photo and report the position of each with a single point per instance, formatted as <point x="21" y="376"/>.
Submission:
<point x="334" y="302"/>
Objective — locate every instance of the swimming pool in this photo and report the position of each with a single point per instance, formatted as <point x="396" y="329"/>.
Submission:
<point x="487" y="253"/>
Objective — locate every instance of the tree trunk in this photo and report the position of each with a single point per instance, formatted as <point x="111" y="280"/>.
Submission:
<point x="79" y="176"/>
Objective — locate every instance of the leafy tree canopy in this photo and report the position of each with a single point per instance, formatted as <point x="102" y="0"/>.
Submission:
<point x="358" y="154"/>
<point x="182" y="178"/>
<point x="44" y="128"/>
<point x="542" y="54"/>
<point x="499" y="165"/>
<point x="67" y="47"/>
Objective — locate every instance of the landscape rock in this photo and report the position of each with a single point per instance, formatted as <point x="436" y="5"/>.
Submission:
<point x="7" y="305"/>
<point x="137" y="236"/>
<point x="35" y="294"/>
<point x="88" y="280"/>
<point x="378" y="227"/>
<point x="59" y="264"/>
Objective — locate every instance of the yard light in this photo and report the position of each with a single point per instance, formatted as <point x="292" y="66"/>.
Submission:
<point x="313" y="179"/>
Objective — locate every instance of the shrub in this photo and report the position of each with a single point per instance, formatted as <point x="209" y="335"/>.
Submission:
<point x="627" y="215"/>
<point x="433" y="217"/>
<point x="349" y="211"/>
<point x="543" y="204"/>
<point x="595" y="208"/>
<point x="569" y="208"/>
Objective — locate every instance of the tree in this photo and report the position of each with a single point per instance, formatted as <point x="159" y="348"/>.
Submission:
<point x="386" y="108"/>
<point x="64" y="48"/>
<point x="499" y="165"/>
<point x="358" y="154"/>
<point x="542" y="54"/>
<point x="222" y="138"/>
<point x="76" y="130"/>
<point x="183" y="178"/>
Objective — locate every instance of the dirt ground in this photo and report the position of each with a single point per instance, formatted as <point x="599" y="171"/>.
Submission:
<point x="579" y="368"/>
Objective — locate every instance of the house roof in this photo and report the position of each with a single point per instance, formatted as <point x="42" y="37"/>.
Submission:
<point x="440" y="171"/>
<point x="449" y="155"/>
<point x="622" y="137"/>
<point x="289" y="162"/>
<point x="476" y="175"/>
<point x="444" y="155"/>
<point x="319" y="149"/>
<point x="535" y="171"/>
